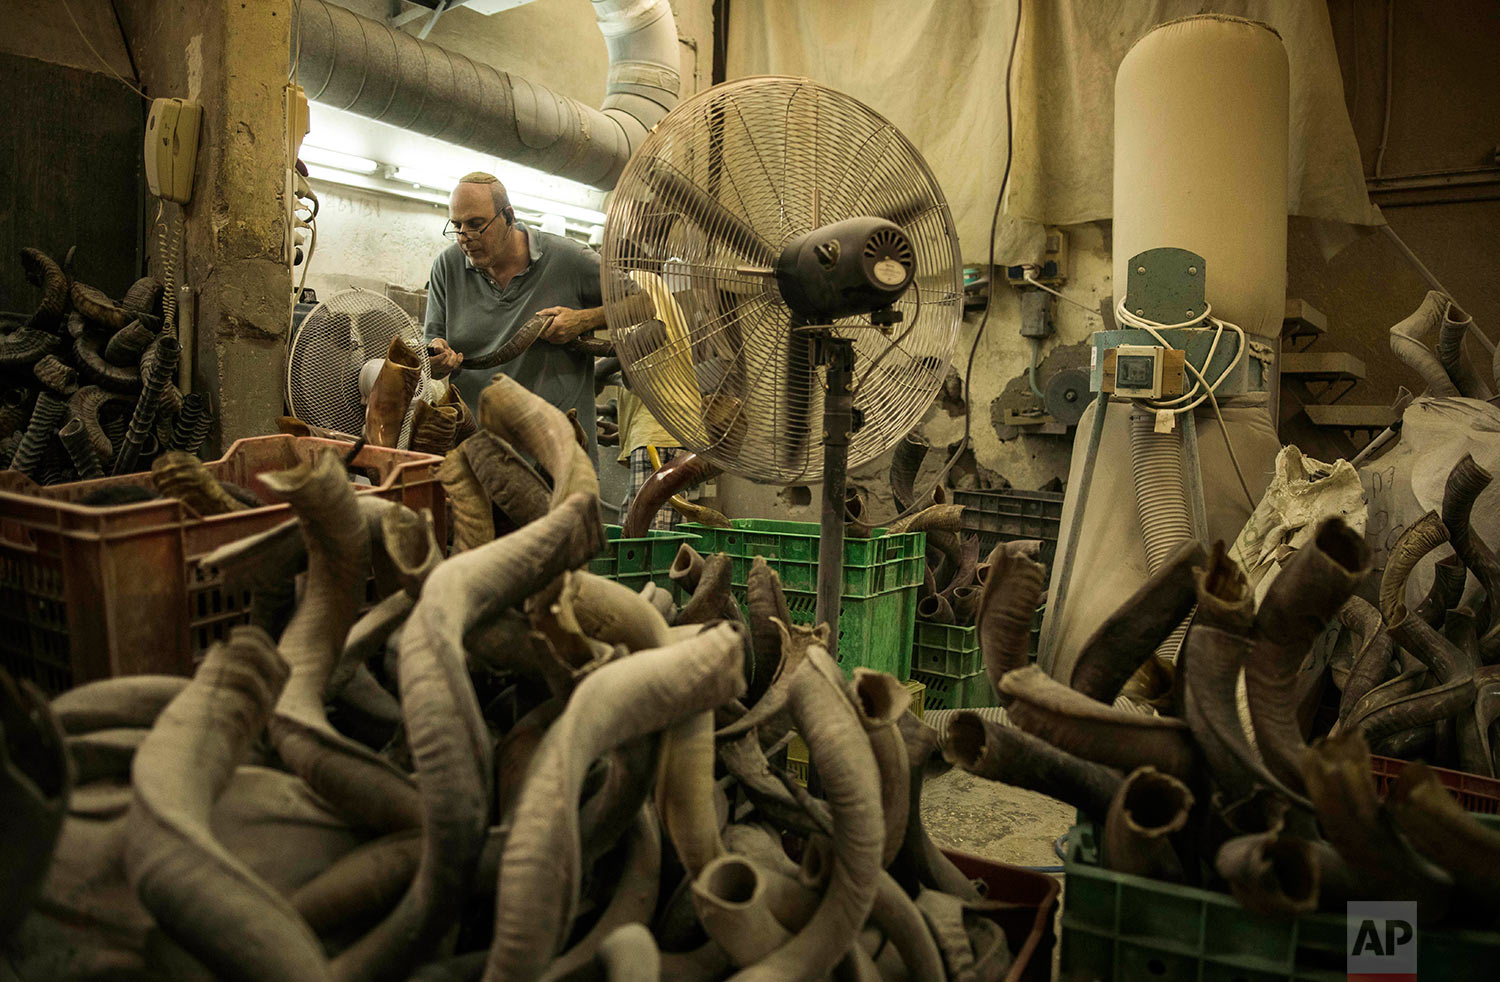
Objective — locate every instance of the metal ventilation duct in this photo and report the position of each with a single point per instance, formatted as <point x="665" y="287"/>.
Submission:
<point x="363" y="66"/>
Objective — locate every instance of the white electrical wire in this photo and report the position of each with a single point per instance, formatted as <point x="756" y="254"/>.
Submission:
<point x="1175" y="406"/>
<point x="1134" y="320"/>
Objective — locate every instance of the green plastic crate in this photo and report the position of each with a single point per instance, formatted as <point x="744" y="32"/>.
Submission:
<point x="945" y="692"/>
<point x="635" y="562"/>
<point x="874" y="632"/>
<point x="872" y="566"/>
<point x="1121" y="927"/>
<point x="946" y="649"/>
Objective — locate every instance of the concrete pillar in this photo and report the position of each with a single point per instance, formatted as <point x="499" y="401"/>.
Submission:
<point x="232" y="57"/>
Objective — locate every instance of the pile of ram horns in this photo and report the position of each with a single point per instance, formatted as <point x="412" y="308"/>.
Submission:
<point x="953" y="576"/>
<point x="1228" y="790"/>
<point x="86" y="382"/>
<point x="505" y="768"/>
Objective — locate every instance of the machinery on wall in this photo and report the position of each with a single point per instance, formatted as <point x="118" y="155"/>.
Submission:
<point x="1166" y="368"/>
<point x="781" y="282"/>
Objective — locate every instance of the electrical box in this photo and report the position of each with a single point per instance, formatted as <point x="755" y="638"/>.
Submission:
<point x="1054" y="264"/>
<point x="172" y="148"/>
<point x="1143" y="371"/>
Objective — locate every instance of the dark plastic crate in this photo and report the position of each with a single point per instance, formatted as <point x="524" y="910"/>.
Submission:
<point x="1005" y="516"/>
<point x="946" y="649"/>
<point x="945" y="692"/>
<point x="1473" y="791"/>
<point x="93" y="592"/>
<point x="1119" y="928"/>
<point x="636" y="562"/>
<point x="872" y="566"/>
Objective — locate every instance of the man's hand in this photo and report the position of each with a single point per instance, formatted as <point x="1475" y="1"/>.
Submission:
<point x="567" y="323"/>
<point x="444" y="361"/>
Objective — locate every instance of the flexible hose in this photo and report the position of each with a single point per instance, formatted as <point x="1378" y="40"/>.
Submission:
<point x="1160" y="495"/>
<point x="1161" y="500"/>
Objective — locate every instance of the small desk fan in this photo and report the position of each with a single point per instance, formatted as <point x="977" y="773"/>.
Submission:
<point x="816" y="277"/>
<point x="330" y="346"/>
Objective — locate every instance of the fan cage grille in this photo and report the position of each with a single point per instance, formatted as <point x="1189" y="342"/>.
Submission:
<point x="331" y="345"/>
<point x="703" y="335"/>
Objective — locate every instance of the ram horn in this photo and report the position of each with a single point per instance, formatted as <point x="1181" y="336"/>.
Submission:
<point x="56" y="375"/>
<point x="1308" y="591"/>
<point x="1372" y="659"/>
<point x="126" y="345"/>
<point x="182" y="476"/>
<point x="473" y="518"/>
<point x="920" y="862"/>
<point x="1337" y="772"/>
<point x="687" y="568"/>
<point x="540" y="870"/>
<point x="537" y="429"/>
<point x="1440" y="829"/>
<point x="729" y="895"/>
<point x="841" y="753"/>
<point x="449" y="741"/>
<point x="633" y="902"/>
<point x="880" y="701"/>
<point x="1413" y="633"/>
<point x="507" y="478"/>
<point x="432" y="428"/>
<point x="1466" y="481"/>
<point x="1074" y="723"/>
<point x="1271" y="874"/>
<point x="43" y="271"/>
<point x="391" y="394"/>
<point x="684" y="471"/>
<point x="204" y="898"/>
<point x="934" y="518"/>
<point x="905" y="463"/>
<point x="1003" y="753"/>
<point x="35" y="784"/>
<point x="1448" y="577"/>
<point x="360" y="784"/>
<point x="1407" y="345"/>
<point x="1007" y="606"/>
<point x="1148" y="809"/>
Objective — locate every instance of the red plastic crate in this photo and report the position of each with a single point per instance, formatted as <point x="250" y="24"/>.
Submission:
<point x="93" y="592"/>
<point x="1026" y="908"/>
<point x="1474" y="793"/>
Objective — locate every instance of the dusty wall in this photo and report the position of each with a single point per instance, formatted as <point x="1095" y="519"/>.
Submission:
<point x="1445" y="115"/>
<point x="1445" y="102"/>
<point x="232" y="58"/>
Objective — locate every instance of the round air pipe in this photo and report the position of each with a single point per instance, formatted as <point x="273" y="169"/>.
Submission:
<point x="366" y="67"/>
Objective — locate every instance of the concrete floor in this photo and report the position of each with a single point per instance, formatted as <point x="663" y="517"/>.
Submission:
<point x="996" y="821"/>
<point x="992" y="820"/>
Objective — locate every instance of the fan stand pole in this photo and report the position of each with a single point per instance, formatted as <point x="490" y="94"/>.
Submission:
<point x="838" y="426"/>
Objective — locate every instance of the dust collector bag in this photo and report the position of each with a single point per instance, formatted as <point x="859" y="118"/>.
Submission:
<point x="1200" y="164"/>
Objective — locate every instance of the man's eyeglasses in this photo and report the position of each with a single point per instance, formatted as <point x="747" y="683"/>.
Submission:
<point x="471" y="229"/>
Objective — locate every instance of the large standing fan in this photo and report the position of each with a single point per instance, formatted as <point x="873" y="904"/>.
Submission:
<point x="330" y="347"/>
<point x="782" y="285"/>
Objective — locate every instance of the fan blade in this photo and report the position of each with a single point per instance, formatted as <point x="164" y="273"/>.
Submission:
<point x="721" y="224"/>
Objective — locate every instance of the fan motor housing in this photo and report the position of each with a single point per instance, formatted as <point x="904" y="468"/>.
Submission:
<point x="848" y="268"/>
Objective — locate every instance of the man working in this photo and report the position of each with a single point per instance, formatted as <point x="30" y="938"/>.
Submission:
<point x="496" y="276"/>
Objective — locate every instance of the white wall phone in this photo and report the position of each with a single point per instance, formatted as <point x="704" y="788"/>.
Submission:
<point x="172" y="148"/>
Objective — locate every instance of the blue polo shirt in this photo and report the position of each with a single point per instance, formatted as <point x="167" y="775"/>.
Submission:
<point x="476" y="317"/>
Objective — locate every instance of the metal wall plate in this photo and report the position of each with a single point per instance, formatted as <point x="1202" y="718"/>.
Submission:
<point x="1166" y="285"/>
